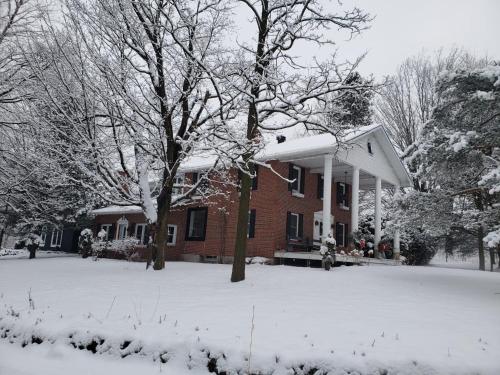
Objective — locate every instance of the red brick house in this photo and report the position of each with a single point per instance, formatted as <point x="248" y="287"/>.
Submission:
<point x="284" y="218"/>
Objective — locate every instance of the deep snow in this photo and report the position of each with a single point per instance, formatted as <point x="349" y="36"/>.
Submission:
<point x="404" y="319"/>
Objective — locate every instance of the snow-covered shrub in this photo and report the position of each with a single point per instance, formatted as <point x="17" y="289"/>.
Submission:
<point x="33" y="242"/>
<point x="85" y="242"/>
<point x="258" y="260"/>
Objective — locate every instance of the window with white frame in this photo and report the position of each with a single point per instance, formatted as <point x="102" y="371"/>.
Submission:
<point x="122" y="228"/>
<point x="293" y="225"/>
<point x="342" y="195"/>
<point x="107" y="229"/>
<point x="178" y="184"/>
<point x="140" y="232"/>
<point x="297" y="176"/>
<point x="171" y="234"/>
<point x="56" y="239"/>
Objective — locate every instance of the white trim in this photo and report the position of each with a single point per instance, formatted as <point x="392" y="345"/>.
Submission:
<point x="296" y="227"/>
<point x="174" y="235"/>
<point x="327" y="195"/>
<point x="143" y="232"/>
<point x="343" y="235"/>
<point x="107" y="228"/>
<point x="57" y="241"/>
<point x="296" y="192"/>
<point x="122" y="222"/>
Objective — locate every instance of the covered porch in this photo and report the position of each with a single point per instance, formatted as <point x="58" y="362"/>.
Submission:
<point x="366" y="163"/>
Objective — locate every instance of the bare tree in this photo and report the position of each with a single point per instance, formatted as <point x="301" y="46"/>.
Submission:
<point x="406" y="102"/>
<point x="272" y="83"/>
<point x="132" y="84"/>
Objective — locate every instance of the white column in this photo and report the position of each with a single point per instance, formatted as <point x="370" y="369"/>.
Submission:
<point x="378" y="212"/>
<point x="355" y="199"/>
<point x="396" y="232"/>
<point x="327" y="195"/>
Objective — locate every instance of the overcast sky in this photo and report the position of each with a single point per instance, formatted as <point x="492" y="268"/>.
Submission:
<point x="404" y="27"/>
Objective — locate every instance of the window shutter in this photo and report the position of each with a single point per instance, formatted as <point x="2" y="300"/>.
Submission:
<point x="346" y="233"/>
<point x="288" y="225"/>
<point x="302" y="180"/>
<point x="131" y="229"/>
<point x="251" y="229"/>
<point x="255" y="180"/>
<point x="320" y="186"/>
<point x="195" y="177"/>
<point x="346" y="198"/>
<point x="339" y="234"/>
<point x="290" y="175"/>
<point x="146" y="235"/>
<point x="301" y="226"/>
<point x="112" y="232"/>
<point x="339" y="193"/>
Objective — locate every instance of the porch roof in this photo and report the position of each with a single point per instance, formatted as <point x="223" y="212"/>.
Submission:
<point x="309" y="151"/>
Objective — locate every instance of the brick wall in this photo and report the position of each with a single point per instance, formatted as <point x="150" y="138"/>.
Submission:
<point x="271" y="200"/>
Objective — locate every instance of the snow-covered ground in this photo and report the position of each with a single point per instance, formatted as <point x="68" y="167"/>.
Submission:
<point x="470" y="262"/>
<point x="406" y="320"/>
<point x="24" y="254"/>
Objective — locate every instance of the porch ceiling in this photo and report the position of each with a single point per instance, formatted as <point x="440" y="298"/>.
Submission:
<point x="341" y="172"/>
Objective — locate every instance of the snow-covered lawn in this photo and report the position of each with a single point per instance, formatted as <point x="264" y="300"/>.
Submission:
<point x="408" y="320"/>
<point x="24" y="254"/>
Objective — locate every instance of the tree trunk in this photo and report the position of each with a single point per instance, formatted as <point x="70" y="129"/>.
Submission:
<point x="480" y="235"/>
<point x="240" y="250"/>
<point x="161" y="234"/>
<point x="2" y="231"/>
<point x="32" y="250"/>
<point x="492" y="259"/>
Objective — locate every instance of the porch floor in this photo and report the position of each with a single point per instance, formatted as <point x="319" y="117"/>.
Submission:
<point x="315" y="255"/>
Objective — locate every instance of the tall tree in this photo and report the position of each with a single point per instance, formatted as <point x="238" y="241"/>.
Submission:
<point x="459" y="156"/>
<point x="136" y="82"/>
<point x="273" y="84"/>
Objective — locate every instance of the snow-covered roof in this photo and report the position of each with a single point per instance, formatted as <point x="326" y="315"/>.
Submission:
<point x="118" y="210"/>
<point x="314" y="144"/>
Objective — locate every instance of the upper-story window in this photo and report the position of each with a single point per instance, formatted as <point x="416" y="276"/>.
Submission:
<point x="297" y="175"/>
<point x="202" y="179"/>
<point x="342" y="199"/>
<point x="369" y="147"/>
<point x="178" y="184"/>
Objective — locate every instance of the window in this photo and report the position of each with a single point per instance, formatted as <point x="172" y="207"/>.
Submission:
<point x="196" y="224"/>
<point x="197" y="176"/>
<point x="178" y="184"/>
<point x="320" y="186"/>
<point x="341" y="234"/>
<point x="43" y="236"/>
<point x="297" y="175"/>
<point x="342" y="199"/>
<point x="107" y="229"/>
<point x="56" y="239"/>
<point x="140" y="232"/>
<point x="255" y="179"/>
<point x="369" y="147"/>
<point x="122" y="229"/>
<point x="295" y="225"/>
<point x="251" y="224"/>
<point x="171" y="235"/>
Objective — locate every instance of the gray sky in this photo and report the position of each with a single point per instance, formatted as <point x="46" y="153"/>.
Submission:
<point x="405" y="27"/>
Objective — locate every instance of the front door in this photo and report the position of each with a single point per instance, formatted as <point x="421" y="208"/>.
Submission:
<point x="318" y="227"/>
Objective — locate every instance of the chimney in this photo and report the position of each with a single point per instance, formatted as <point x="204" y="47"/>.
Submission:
<point x="280" y="138"/>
